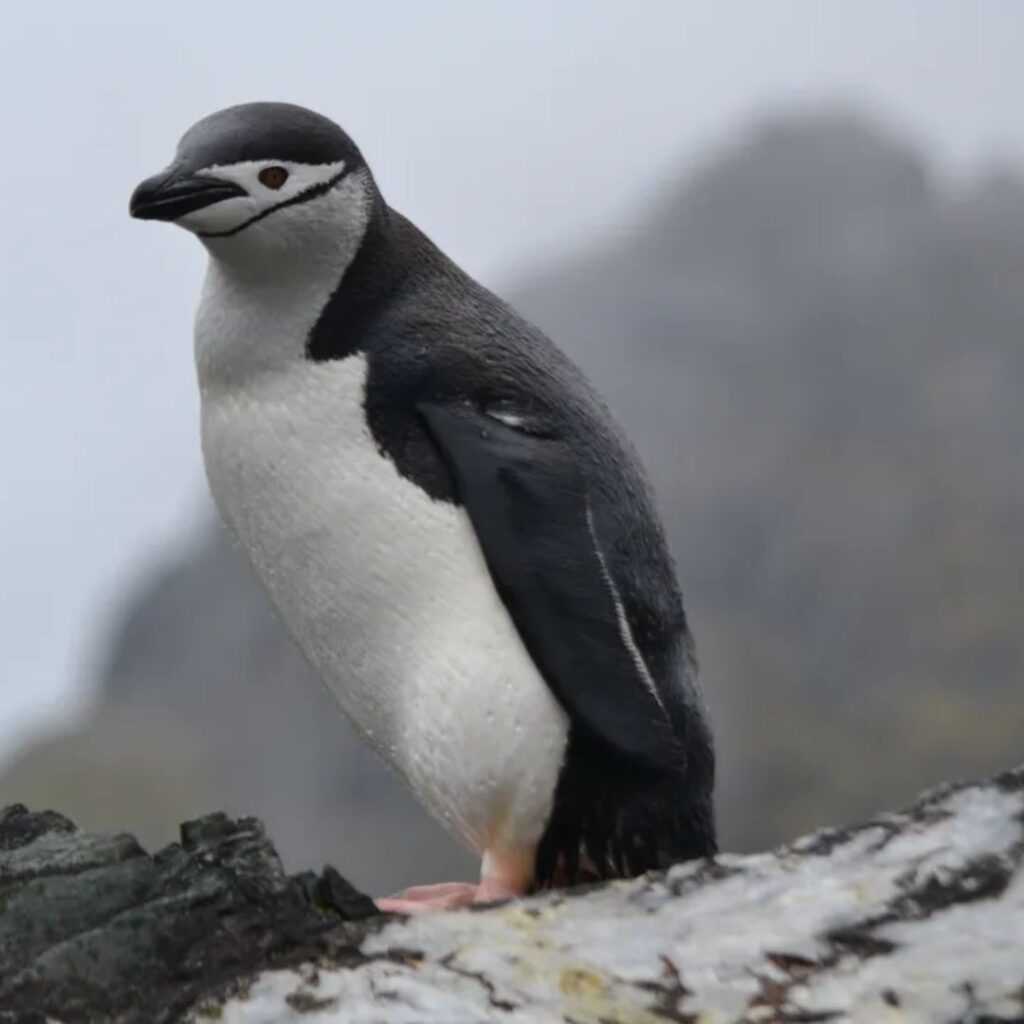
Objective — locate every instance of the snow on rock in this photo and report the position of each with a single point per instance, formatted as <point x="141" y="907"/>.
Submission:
<point x="913" y="917"/>
<point x="916" y="916"/>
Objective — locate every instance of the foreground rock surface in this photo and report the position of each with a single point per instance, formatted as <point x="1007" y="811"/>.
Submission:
<point x="917" y="916"/>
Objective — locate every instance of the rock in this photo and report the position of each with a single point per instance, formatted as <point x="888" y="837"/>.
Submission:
<point x="915" y="917"/>
<point x="94" y="929"/>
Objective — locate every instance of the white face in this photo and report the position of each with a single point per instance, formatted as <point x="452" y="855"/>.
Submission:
<point x="266" y="188"/>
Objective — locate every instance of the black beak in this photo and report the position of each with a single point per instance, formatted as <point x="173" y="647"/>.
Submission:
<point x="173" y="193"/>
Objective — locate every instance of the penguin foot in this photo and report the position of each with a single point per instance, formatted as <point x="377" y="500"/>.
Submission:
<point x="420" y="898"/>
<point x="447" y="896"/>
<point x="502" y="877"/>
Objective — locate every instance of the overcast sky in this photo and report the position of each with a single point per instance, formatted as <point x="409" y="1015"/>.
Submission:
<point x="511" y="131"/>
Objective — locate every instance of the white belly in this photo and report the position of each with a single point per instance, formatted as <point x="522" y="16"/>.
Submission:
<point x="387" y="593"/>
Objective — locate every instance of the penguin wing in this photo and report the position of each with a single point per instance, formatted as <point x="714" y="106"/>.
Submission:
<point x="527" y="500"/>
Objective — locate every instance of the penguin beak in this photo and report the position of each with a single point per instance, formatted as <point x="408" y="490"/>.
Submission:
<point x="173" y="192"/>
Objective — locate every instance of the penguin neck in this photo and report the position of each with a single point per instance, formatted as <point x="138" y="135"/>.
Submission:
<point x="376" y="276"/>
<point x="258" y="317"/>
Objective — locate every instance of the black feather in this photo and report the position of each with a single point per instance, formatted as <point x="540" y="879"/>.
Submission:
<point x="479" y="408"/>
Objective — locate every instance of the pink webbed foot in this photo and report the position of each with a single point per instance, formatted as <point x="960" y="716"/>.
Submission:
<point x="420" y="898"/>
<point x="494" y="886"/>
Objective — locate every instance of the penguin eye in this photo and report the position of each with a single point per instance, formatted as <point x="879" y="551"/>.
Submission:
<point x="273" y="177"/>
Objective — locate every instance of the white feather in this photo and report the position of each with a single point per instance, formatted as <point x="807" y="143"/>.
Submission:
<point x="230" y="214"/>
<point x="625" y="630"/>
<point x="384" y="589"/>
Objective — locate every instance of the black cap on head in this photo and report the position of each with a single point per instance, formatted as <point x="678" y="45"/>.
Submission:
<point x="266" y="131"/>
<point x="258" y="133"/>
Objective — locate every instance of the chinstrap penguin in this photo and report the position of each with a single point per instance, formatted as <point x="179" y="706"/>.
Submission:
<point x="443" y="513"/>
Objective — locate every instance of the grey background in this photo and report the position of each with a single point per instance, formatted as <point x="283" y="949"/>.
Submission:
<point x="784" y="239"/>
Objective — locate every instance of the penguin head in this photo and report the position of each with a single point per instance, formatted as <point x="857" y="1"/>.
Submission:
<point x="262" y="180"/>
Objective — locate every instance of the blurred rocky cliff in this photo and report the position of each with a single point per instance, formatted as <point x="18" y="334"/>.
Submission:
<point x="818" y="347"/>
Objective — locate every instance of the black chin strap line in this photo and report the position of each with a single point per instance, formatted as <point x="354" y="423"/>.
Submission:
<point x="310" y="193"/>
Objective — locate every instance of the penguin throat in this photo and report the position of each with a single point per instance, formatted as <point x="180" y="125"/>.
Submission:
<point x="258" y="309"/>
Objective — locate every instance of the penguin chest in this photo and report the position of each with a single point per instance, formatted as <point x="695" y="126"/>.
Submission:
<point x="387" y="593"/>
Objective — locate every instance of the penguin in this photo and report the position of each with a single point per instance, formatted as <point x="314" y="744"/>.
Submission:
<point x="443" y="513"/>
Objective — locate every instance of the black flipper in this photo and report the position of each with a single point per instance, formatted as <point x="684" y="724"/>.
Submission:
<point x="528" y="503"/>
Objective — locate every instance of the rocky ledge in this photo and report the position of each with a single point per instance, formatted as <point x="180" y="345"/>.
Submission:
<point x="915" y="916"/>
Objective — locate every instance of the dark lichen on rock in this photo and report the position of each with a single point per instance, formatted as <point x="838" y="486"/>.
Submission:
<point x="916" y="916"/>
<point x="93" y="928"/>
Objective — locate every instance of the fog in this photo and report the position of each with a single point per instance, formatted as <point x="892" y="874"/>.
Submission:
<point x="512" y="132"/>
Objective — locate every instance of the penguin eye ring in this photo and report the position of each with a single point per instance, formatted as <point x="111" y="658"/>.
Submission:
<point x="273" y="177"/>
